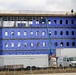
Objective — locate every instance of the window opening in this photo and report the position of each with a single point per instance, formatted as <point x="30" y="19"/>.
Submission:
<point x="73" y="43"/>
<point x="12" y="44"/>
<point x="19" y="33"/>
<point x="25" y="44"/>
<point x="60" y="21"/>
<point x="49" y="21"/>
<point x="12" y="33"/>
<point x="56" y="44"/>
<point x="6" y="44"/>
<point x="61" y="33"/>
<point x="31" y="32"/>
<point x="43" y="33"/>
<point x="49" y="32"/>
<point x="67" y="43"/>
<point x="38" y="44"/>
<point x="61" y="44"/>
<point x="72" y="21"/>
<point x="55" y="32"/>
<point x="32" y="44"/>
<point x="19" y="44"/>
<point x="37" y="32"/>
<point x="44" y="44"/>
<point x="55" y="21"/>
<point x="37" y="22"/>
<point x="66" y="21"/>
<point x="67" y="33"/>
<point x="25" y="33"/>
<point x="6" y="33"/>
<point x="72" y="32"/>
<point x="30" y="22"/>
<point x="43" y="22"/>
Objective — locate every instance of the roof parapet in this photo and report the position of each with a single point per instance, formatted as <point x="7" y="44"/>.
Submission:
<point x="35" y="13"/>
<point x="31" y="12"/>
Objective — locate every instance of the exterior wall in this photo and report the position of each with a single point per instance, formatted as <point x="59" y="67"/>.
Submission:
<point x="34" y="39"/>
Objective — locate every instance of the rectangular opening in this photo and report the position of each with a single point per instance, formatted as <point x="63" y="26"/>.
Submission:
<point x="6" y="44"/>
<point x="72" y="21"/>
<point x="25" y="44"/>
<point x="25" y="33"/>
<point x="12" y="33"/>
<point x="49" y="21"/>
<point x="72" y="32"/>
<point x="44" y="44"/>
<point x="73" y="43"/>
<point x="66" y="21"/>
<point x="55" y="21"/>
<point x="31" y="44"/>
<point x="12" y="44"/>
<point x="43" y="33"/>
<point x="6" y="33"/>
<point x="31" y="32"/>
<point x="18" y="33"/>
<point x="67" y="43"/>
<point x="67" y="33"/>
<point x="60" y="21"/>
<point x="61" y="33"/>
<point x="37" y="32"/>
<point x="30" y="22"/>
<point x="55" y="32"/>
<point x="37" y="21"/>
<point x="38" y="44"/>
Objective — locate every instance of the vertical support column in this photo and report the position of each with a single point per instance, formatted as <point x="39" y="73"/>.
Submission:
<point x="9" y="21"/>
<point x="27" y="22"/>
<point x="14" y="21"/>
<point x="1" y="21"/>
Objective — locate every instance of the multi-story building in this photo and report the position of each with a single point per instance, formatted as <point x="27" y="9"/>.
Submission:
<point x="21" y="32"/>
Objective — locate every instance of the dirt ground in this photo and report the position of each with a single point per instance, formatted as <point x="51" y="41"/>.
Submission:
<point x="41" y="71"/>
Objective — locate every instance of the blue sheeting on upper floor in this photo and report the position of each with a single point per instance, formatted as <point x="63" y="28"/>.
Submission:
<point x="34" y="39"/>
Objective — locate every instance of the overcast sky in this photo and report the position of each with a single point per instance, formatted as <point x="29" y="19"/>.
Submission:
<point x="45" y="5"/>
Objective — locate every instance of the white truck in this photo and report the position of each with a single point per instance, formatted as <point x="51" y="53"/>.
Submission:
<point x="24" y="61"/>
<point x="66" y="57"/>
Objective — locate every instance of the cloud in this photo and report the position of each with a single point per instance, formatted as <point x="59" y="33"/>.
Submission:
<point x="49" y="5"/>
<point x="61" y="5"/>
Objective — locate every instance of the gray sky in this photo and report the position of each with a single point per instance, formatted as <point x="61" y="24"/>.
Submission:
<point x="45" y="5"/>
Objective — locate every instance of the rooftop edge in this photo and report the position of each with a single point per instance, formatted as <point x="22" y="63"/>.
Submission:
<point x="34" y="13"/>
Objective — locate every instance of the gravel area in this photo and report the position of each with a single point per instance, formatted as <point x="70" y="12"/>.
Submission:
<point x="41" y="71"/>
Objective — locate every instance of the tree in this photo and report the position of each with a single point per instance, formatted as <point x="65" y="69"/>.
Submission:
<point x="72" y="11"/>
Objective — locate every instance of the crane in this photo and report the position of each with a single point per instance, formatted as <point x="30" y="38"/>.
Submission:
<point x="43" y="19"/>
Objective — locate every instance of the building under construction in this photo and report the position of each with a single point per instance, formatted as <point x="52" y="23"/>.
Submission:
<point x="34" y="33"/>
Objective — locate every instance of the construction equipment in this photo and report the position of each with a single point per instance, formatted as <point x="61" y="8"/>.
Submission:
<point x="43" y="19"/>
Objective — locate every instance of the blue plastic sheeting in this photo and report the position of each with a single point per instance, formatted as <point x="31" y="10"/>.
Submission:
<point x="26" y="44"/>
<point x="55" y="33"/>
<point x="63" y="35"/>
<point x="26" y="52"/>
<point x="56" y="22"/>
